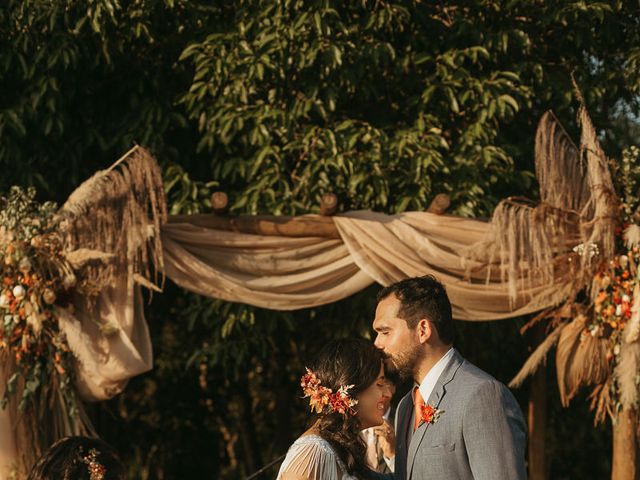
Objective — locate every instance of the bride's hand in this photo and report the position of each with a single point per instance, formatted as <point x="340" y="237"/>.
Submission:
<point x="386" y="439"/>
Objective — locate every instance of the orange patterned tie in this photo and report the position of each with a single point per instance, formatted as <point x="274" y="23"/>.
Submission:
<point x="418" y="403"/>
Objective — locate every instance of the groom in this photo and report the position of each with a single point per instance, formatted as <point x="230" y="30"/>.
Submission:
<point x="458" y="422"/>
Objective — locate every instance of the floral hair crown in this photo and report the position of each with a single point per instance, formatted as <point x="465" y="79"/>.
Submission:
<point x="97" y="471"/>
<point x="325" y="400"/>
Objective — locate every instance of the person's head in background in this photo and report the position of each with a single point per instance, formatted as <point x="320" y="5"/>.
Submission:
<point x="391" y="381"/>
<point x="78" y="458"/>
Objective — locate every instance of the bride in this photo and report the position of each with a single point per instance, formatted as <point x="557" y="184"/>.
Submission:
<point x="345" y="388"/>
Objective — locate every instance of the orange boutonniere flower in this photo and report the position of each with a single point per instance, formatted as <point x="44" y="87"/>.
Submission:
<point x="430" y="414"/>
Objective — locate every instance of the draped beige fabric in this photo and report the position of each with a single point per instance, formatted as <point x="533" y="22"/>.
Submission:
<point x="271" y="272"/>
<point x="108" y="357"/>
<point x="283" y="273"/>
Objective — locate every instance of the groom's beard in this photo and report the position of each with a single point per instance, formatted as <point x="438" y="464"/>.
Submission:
<point x="402" y="364"/>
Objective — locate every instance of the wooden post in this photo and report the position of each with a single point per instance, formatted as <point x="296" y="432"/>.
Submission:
<point x="328" y="204"/>
<point x="625" y="446"/>
<point x="537" y="415"/>
<point x="220" y="203"/>
<point x="439" y="204"/>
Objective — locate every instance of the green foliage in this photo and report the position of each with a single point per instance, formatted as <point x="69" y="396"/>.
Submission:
<point x="81" y="81"/>
<point x="628" y="176"/>
<point x="299" y="98"/>
<point x="185" y="195"/>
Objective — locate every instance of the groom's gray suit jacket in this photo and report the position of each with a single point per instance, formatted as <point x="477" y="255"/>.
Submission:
<point x="480" y="435"/>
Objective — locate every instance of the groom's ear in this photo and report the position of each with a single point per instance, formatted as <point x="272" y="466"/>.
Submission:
<point x="425" y="330"/>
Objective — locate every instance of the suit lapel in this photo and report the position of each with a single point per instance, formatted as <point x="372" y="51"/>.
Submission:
<point x="403" y="421"/>
<point x="435" y="398"/>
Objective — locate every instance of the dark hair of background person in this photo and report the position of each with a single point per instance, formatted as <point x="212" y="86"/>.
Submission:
<point x="65" y="460"/>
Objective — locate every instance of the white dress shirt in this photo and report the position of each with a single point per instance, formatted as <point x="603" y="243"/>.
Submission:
<point x="430" y="380"/>
<point x="371" y="440"/>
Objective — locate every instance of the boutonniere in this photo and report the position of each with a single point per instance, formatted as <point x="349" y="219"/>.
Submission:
<point x="430" y="414"/>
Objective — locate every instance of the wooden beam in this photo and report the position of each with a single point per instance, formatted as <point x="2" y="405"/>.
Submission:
<point x="439" y="204"/>
<point x="300" y="226"/>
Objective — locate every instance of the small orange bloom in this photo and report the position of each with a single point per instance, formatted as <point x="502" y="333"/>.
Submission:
<point x="429" y="414"/>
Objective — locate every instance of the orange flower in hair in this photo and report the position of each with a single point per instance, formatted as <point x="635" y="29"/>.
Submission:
<point x="323" y="399"/>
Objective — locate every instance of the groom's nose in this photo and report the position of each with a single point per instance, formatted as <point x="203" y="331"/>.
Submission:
<point x="378" y="343"/>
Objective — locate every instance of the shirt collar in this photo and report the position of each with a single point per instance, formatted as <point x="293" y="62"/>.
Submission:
<point x="430" y="380"/>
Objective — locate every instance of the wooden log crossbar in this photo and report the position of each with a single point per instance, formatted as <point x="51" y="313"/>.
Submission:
<point x="270" y="225"/>
<point x="287" y="226"/>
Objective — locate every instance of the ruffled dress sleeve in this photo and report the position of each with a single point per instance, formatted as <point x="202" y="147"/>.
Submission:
<point x="312" y="458"/>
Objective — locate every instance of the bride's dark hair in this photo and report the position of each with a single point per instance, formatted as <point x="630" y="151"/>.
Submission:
<point x="340" y="363"/>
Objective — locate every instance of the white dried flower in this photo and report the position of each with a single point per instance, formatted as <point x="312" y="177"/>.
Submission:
<point x="19" y="292"/>
<point x="25" y="265"/>
<point x="624" y="261"/>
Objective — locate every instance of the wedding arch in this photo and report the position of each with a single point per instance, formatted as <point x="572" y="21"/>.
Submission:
<point x="74" y="325"/>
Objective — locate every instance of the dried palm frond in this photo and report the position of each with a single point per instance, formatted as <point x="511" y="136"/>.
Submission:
<point x="580" y="359"/>
<point x="632" y="330"/>
<point x="531" y="245"/>
<point x="632" y="236"/>
<point x="538" y="357"/>
<point x="47" y="420"/>
<point x="118" y="212"/>
<point x="560" y="173"/>
<point x="602" y="213"/>
<point x="78" y="258"/>
<point x="601" y="402"/>
<point x="525" y="242"/>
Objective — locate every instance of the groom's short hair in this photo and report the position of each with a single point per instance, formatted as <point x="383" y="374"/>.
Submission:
<point x="423" y="297"/>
